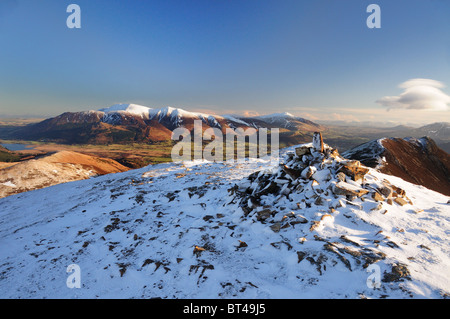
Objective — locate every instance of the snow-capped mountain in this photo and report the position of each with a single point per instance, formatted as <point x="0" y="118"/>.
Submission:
<point x="439" y="130"/>
<point x="123" y="123"/>
<point x="283" y="120"/>
<point x="316" y="226"/>
<point x="417" y="160"/>
<point x="134" y="109"/>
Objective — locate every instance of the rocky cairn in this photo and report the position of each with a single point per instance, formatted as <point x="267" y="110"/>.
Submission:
<point x="307" y="190"/>
<point x="323" y="178"/>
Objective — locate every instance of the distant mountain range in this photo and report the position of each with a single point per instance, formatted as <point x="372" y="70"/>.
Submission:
<point x="347" y="137"/>
<point x="132" y="123"/>
<point x="439" y="132"/>
<point x="124" y="123"/>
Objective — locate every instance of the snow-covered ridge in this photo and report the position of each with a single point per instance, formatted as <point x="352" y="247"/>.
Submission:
<point x="370" y="149"/>
<point x="128" y="108"/>
<point x="175" y="115"/>
<point x="213" y="230"/>
<point x="276" y="115"/>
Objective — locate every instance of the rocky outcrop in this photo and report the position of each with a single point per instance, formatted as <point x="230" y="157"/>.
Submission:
<point x="323" y="177"/>
<point x="319" y="185"/>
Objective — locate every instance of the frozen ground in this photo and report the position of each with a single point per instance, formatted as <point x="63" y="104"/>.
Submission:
<point x="177" y="231"/>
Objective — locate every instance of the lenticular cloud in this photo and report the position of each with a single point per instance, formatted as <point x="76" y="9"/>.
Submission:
<point x="419" y="94"/>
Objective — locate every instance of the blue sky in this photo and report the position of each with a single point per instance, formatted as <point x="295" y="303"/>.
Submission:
<point x="316" y="59"/>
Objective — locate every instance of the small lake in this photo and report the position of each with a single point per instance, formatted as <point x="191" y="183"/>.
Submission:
<point x="18" y="147"/>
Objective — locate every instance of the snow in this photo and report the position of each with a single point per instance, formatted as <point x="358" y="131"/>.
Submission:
<point x="276" y="115"/>
<point x="175" y="115"/>
<point x="173" y="112"/>
<point x="9" y="184"/>
<point x="235" y="119"/>
<point x="134" y="234"/>
<point x="134" y="109"/>
<point x="422" y="142"/>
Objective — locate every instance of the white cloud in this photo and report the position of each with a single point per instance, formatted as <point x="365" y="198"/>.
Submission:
<point x="418" y="94"/>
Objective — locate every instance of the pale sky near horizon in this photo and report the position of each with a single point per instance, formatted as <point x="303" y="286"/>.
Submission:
<point x="316" y="59"/>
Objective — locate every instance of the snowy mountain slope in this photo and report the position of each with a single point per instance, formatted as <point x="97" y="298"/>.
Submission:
<point x="173" y="117"/>
<point x="139" y="110"/>
<point x="370" y="153"/>
<point x="283" y="120"/>
<point x="180" y="231"/>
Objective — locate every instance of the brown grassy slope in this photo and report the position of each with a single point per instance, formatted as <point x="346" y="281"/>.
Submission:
<point x="428" y="166"/>
<point x="61" y="167"/>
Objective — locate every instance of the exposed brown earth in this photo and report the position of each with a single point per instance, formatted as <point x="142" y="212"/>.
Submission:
<point x="419" y="161"/>
<point x="426" y="165"/>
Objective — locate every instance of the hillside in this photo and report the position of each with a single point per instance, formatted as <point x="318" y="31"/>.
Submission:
<point x="318" y="226"/>
<point x="419" y="161"/>
<point x="8" y="156"/>
<point x="60" y="167"/>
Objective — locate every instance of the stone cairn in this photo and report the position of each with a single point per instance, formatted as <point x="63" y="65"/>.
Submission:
<point x="321" y="175"/>
<point x="311" y="186"/>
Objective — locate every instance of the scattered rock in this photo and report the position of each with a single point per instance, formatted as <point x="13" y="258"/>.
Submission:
<point x="278" y="245"/>
<point x="308" y="172"/>
<point x="314" y="225"/>
<point x="299" y="219"/>
<point x="300" y="255"/>
<point x="343" y="188"/>
<point x="341" y="176"/>
<point x="424" y="247"/>
<point x="377" y="196"/>
<point x="293" y="173"/>
<point x="397" y="273"/>
<point x="208" y="217"/>
<point x="334" y="250"/>
<point x="400" y="201"/>
<point x="377" y="207"/>
<point x="198" y="250"/>
<point x="242" y="244"/>
<point x="263" y="214"/>
<point x="354" y="169"/>
<point x="385" y="190"/>
<point x="400" y="192"/>
<point x="320" y="201"/>
<point x="302" y="150"/>
<point x="275" y="227"/>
